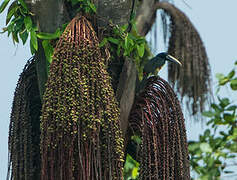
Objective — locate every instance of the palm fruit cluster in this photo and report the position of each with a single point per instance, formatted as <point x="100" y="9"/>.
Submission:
<point x="185" y="44"/>
<point x="80" y="129"/>
<point x="157" y="119"/>
<point x="24" y="129"/>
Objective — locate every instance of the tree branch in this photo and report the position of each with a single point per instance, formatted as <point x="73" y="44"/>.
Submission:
<point x="146" y="15"/>
<point x="126" y="92"/>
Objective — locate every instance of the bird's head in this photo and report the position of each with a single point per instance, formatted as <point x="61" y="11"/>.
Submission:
<point x="166" y="57"/>
<point x="157" y="63"/>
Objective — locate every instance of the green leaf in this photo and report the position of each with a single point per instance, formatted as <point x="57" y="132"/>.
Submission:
<point x="33" y="40"/>
<point x="233" y="84"/>
<point x="103" y="42"/>
<point x="210" y="122"/>
<point x="15" y="37"/>
<point x="48" y="50"/>
<point x="231" y="74"/>
<point x="207" y="133"/>
<point x="137" y="139"/>
<point x="19" y="25"/>
<point x="24" y="12"/>
<point x="228" y="172"/>
<point x="231" y="108"/>
<point x="220" y="76"/>
<point x="134" y="172"/>
<point x="118" y="50"/>
<point x="229" y="117"/>
<point x="141" y="50"/>
<point x="23" y="4"/>
<point x="223" y="133"/>
<point x="134" y="27"/>
<point x="3" y="5"/>
<point x="63" y="27"/>
<point x="193" y="146"/>
<point x="208" y="114"/>
<point x="224" y="102"/>
<point x="28" y="23"/>
<point x="205" y="147"/>
<point x="113" y="40"/>
<point x="48" y="36"/>
<point x="11" y="10"/>
<point x="131" y="40"/>
<point x="231" y="156"/>
<point x="59" y="32"/>
<point x="32" y="49"/>
<point x="92" y="6"/>
<point x="9" y="28"/>
<point x="24" y="36"/>
<point x="235" y="132"/>
<point x="218" y="121"/>
<point x="126" y="43"/>
<point x="216" y="107"/>
<point x="223" y="81"/>
<point x="133" y="37"/>
<point x="74" y="2"/>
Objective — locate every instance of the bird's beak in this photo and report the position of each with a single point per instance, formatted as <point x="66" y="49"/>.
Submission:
<point x="173" y="59"/>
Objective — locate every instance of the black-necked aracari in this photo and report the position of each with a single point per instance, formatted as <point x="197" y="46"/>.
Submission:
<point x="153" y="66"/>
<point x="156" y="63"/>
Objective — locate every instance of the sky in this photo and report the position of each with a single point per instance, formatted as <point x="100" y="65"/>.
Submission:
<point x="214" y="20"/>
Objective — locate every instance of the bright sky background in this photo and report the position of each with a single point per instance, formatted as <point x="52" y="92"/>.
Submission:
<point x="214" y="20"/>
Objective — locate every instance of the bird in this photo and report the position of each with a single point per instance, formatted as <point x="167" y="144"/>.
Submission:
<point x="153" y="66"/>
<point x="157" y="62"/>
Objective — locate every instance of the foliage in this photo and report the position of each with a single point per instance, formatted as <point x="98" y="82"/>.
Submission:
<point x="127" y="44"/>
<point x="230" y="79"/>
<point x="19" y="23"/>
<point x="217" y="145"/>
<point x="83" y="6"/>
<point x="47" y="39"/>
<point x="131" y="168"/>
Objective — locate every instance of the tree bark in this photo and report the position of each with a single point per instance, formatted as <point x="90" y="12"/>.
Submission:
<point x="146" y="15"/>
<point x="116" y="10"/>
<point x="126" y="92"/>
<point x="49" y="15"/>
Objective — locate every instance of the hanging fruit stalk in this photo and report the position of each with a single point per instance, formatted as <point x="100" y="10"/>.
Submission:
<point x="81" y="136"/>
<point x="157" y="119"/>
